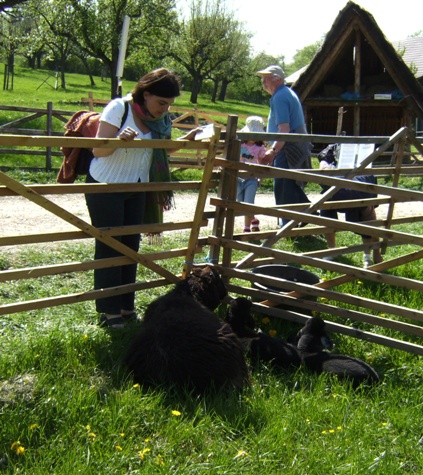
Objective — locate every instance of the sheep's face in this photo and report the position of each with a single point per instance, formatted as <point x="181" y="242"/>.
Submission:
<point x="239" y="314"/>
<point x="207" y="287"/>
<point x="313" y="337"/>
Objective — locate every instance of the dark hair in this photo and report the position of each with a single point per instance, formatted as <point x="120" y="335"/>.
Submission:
<point x="259" y="143"/>
<point x="160" y="82"/>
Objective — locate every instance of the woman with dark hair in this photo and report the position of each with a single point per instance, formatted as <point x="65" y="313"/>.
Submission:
<point x="147" y="117"/>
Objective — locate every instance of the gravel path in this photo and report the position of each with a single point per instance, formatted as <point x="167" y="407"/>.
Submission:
<point x="18" y="216"/>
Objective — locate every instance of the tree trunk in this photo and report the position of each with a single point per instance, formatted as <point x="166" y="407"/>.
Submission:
<point x="196" y="88"/>
<point x="215" y="88"/>
<point x="223" y="89"/>
<point x="63" y="73"/>
<point x="87" y="67"/>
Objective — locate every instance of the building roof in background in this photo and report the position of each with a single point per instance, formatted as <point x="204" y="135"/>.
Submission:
<point x="411" y="51"/>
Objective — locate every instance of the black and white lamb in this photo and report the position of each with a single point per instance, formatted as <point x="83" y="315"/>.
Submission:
<point x="259" y="346"/>
<point x="182" y="343"/>
<point x="312" y="339"/>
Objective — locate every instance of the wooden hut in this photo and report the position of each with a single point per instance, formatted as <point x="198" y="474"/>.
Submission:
<point x="358" y="69"/>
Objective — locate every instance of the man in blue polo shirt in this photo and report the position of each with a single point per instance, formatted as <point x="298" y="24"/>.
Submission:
<point x="286" y="116"/>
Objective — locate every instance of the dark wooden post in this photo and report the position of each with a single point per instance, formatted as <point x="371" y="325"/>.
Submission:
<point x="227" y="190"/>
<point x="49" y="133"/>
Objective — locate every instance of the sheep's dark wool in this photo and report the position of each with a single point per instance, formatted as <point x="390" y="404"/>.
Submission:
<point x="182" y="342"/>
<point x="312" y="340"/>
<point x="260" y="347"/>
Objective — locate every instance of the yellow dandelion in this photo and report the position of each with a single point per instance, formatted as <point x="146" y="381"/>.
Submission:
<point x="15" y="445"/>
<point x="339" y="427"/>
<point x="324" y="300"/>
<point x="323" y="432"/>
<point x="240" y="454"/>
<point x="147" y="441"/>
<point x="85" y="336"/>
<point x="359" y="282"/>
<point x="159" y="460"/>
<point x="331" y="431"/>
<point x="384" y="424"/>
<point x="334" y="396"/>
<point x="92" y="435"/>
<point x="383" y="314"/>
<point x="176" y="413"/>
<point x="136" y="386"/>
<point x="308" y="420"/>
<point x="272" y="332"/>
<point x="265" y="320"/>
<point x="88" y="427"/>
<point x="20" y="450"/>
<point x="118" y="447"/>
<point x="33" y="426"/>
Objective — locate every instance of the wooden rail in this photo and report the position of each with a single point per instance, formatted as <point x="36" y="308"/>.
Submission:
<point x="235" y="254"/>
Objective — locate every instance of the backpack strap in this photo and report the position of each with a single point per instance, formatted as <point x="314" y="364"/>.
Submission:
<point x="125" y="113"/>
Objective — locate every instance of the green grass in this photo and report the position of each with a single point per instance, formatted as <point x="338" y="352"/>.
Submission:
<point x="68" y="406"/>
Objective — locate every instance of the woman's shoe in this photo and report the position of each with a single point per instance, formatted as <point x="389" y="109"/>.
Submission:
<point x="111" y="321"/>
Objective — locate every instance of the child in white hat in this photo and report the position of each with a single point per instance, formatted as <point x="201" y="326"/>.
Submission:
<point x="251" y="152"/>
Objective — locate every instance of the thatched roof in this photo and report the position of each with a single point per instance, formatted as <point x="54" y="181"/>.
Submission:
<point x="335" y="58"/>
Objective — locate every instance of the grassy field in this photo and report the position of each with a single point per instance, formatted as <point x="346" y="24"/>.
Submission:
<point x="68" y="406"/>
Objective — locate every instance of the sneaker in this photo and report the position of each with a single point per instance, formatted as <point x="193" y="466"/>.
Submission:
<point x="111" y="321"/>
<point x="255" y="225"/>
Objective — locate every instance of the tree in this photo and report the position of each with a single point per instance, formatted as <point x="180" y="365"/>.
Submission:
<point x="94" y="26"/>
<point x="12" y="31"/>
<point x="249" y="87"/>
<point x="236" y="67"/>
<point x="304" y="56"/>
<point x="206" y="41"/>
<point x="51" y="18"/>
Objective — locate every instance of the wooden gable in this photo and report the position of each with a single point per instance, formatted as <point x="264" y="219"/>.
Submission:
<point x="359" y="70"/>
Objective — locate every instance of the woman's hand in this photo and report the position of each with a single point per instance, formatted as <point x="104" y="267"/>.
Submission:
<point x="128" y="134"/>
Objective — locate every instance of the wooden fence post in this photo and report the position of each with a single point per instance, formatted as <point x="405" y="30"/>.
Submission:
<point x="227" y="190"/>
<point x="49" y="132"/>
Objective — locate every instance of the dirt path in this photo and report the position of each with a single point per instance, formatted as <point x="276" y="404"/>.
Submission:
<point x="18" y="216"/>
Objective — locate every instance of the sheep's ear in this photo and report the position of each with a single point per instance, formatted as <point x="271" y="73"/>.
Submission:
<point x="196" y="271"/>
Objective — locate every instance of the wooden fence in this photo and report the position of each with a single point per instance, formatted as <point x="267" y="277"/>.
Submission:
<point x="224" y="242"/>
<point x="182" y="119"/>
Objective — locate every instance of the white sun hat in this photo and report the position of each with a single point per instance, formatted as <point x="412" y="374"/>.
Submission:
<point x="254" y="123"/>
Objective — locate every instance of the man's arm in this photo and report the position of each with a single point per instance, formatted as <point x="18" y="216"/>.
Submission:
<point x="277" y="146"/>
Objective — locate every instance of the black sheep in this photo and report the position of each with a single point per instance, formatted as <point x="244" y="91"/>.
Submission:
<point x="260" y="347"/>
<point x="182" y="343"/>
<point x="312" y="339"/>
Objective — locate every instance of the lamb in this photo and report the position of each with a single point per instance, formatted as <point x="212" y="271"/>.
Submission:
<point x="182" y="343"/>
<point x="312" y="339"/>
<point x="259" y="346"/>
